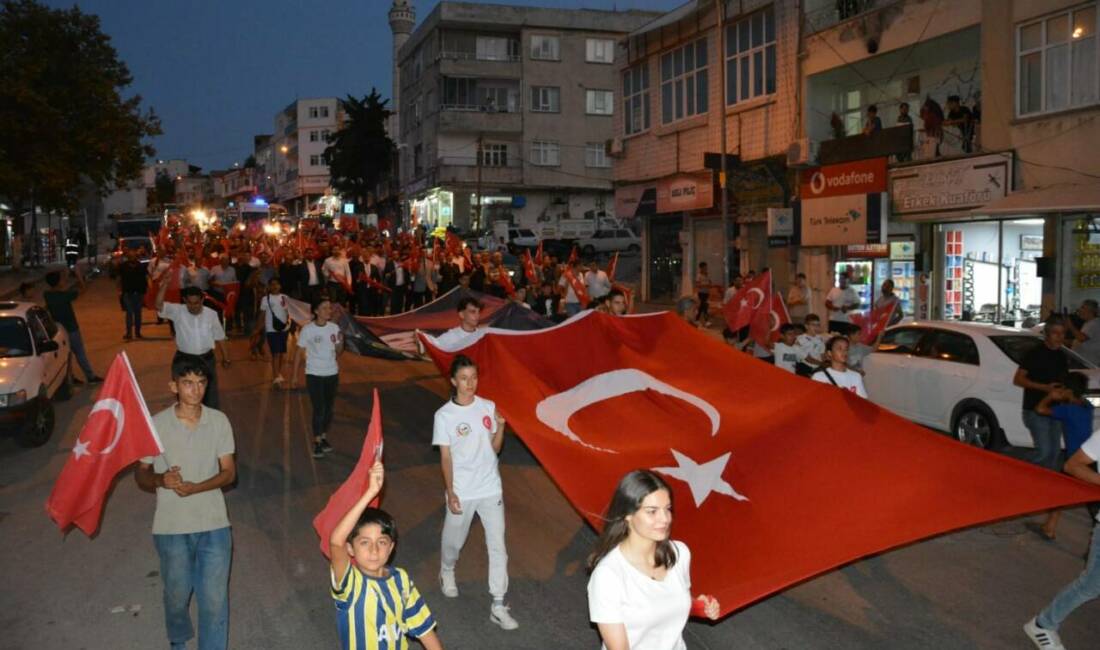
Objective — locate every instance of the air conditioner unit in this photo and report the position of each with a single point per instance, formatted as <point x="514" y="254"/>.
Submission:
<point x="614" y="147"/>
<point x="802" y="153"/>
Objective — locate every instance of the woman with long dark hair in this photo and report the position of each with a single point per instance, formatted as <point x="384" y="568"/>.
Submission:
<point x="639" y="595"/>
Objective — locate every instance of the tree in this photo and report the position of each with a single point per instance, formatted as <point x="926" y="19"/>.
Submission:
<point x="66" y="120"/>
<point x="361" y="154"/>
<point x="250" y="162"/>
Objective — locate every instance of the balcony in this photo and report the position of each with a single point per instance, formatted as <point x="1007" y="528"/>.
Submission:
<point x="463" y="169"/>
<point x="823" y="14"/>
<point x="468" y="64"/>
<point x="469" y="118"/>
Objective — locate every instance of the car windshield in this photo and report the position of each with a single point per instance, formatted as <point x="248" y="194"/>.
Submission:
<point x="1018" y="346"/>
<point x="15" y="340"/>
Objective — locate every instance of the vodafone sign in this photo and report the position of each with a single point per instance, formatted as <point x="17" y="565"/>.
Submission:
<point x="859" y="177"/>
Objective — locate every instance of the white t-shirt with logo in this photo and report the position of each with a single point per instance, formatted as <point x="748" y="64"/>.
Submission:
<point x="319" y="342"/>
<point x="849" y="380"/>
<point x="1091" y="447"/>
<point x="654" y="612"/>
<point x="274" y="303"/>
<point x="812" y="346"/>
<point x="788" y="356"/>
<point x="468" y="431"/>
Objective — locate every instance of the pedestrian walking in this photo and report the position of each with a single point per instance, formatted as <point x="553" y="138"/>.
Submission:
<point x="323" y="343"/>
<point x="639" y="593"/>
<point x="191" y="525"/>
<point x="197" y="332"/>
<point x="1086" y="337"/>
<point x="377" y="604"/>
<point x="133" y="282"/>
<point x="836" y="371"/>
<point x="1041" y="371"/>
<point x="469" y="433"/>
<point x="276" y="327"/>
<point x="59" y="302"/>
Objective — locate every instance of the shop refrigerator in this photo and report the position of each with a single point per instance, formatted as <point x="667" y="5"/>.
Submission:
<point x="861" y="279"/>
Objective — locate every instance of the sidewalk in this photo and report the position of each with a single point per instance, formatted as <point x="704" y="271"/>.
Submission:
<point x="11" y="279"/>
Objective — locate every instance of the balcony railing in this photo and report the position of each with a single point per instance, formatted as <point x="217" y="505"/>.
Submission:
<point x="456" y="55"/>
<point x="823" y="14"/>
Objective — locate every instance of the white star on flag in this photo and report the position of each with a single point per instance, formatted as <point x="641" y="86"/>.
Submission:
<point x="80" y="449"/>
<point x="702" y="478"/>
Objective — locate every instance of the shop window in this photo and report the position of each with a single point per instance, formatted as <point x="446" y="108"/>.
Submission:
<point x="684" y="82"/>
<point x="1057" y="62"/>
<point x="750" y="57"/>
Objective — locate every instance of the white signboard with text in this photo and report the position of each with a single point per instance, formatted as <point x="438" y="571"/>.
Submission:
<point x="951" y="186"/>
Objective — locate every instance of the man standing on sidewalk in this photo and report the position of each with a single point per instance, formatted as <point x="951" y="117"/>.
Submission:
<point x="59" y="302"/>
<point x="133" y="281"/>
<point x="198" y="330"/>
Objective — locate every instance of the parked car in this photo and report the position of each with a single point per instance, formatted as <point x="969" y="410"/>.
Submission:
<point x="610" y="241"/>
<point x="957" y="377"/>
<point x="36" y="369"/>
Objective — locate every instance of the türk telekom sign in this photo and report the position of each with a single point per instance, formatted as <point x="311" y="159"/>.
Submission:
<point x="859" y="177"/>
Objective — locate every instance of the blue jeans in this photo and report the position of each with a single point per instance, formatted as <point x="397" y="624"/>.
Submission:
<point x="1046" y="433"/>
<point x="77" y="345"/>
<point x="132" y="301"/>
<point x="572" y="308"/>
<point x="196" y="563"/>
<point x="1085" y="588"/>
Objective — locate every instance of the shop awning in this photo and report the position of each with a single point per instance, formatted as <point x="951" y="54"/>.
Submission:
<point x="1056" y="198"/>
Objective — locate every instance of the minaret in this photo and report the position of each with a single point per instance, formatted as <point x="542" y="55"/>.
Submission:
<point x="402" y="21"/>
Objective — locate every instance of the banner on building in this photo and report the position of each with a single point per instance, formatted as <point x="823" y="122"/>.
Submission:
<point x="847" y="179"/>
<point x="952" y="186"/>
<point x="679" y="193"/>
<point x="841" y="220"/>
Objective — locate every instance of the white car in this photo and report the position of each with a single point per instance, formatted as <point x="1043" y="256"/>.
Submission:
<point x="957" y="377"/>
<point x="35" y="368"/>
<point x="522" y="238"/>
<point x="609" y="241"/>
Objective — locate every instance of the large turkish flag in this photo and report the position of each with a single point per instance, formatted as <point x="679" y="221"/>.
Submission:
<point x="776" y="478"/>
<point x="118" y="432"/>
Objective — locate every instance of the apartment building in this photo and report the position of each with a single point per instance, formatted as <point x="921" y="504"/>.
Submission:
<point x="302" y="133"/>
<point x="696" y="73"/>
<point x="981" y="205"/>
<point x="506" y="114"/>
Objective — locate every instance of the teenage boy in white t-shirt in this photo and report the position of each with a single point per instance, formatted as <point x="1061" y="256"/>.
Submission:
<point x="786" y="351"/>
<point x="275" y="308"/>
<point x="469" y="433"/>
<point x="837" y="372"/>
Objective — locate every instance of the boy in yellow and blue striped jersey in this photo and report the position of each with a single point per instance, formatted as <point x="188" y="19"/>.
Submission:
<point x="377" y="605"/>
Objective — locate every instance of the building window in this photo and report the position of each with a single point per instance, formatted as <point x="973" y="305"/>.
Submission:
<point x="599" y="102"/>
<point x="326" y="135"/>
<point x="318" y="111"/>
<point x="547" y="154"/>
<point x="495" y="48"/>
<point x="595" y="155"/>
<point x="494" y="155"/>
<point x="460" y="93"/>
<point x="636" y="99"/>
<point x="684" y="82"/>
<point x="499" y="99"/>
<point x="324" y="111"/>
<point x="314" y="136"/>
<point x="317" y="160"/>
<point x="545" y="48"/>
<point x="545" y="99"/>
<point x="599" y="50"/>
<point x="1057" y="62"/>
<point x="750" y="57"/>
<point x="418" y="162"/>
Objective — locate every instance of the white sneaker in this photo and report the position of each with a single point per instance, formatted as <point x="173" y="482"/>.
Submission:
<point x="447" y="583"/>
<point x="1043" y="639"/>
<point x="499" y="614"/>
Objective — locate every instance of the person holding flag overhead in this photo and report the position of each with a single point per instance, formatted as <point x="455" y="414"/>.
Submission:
<point x="191" y="525"/>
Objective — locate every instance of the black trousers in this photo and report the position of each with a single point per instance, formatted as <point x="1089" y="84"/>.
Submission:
<point x="210" y="398"/>
<point x="322" y="397"/>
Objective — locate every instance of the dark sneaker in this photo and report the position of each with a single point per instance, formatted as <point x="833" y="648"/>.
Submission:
<point x="324" y="445"/>
<point x="318" y="451"/>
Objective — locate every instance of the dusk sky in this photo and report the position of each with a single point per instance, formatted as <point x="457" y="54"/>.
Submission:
<point x="217" y="71"/>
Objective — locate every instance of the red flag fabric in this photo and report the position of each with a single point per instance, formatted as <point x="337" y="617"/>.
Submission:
<point x="572" y="256"/>
<point x="356" y="484"/>
<point x="538" y="254"/>
<point x="231" y="292"/>
<point x="744" y="304"/>
<point x="776" y="479"/>
<point x="505" y="282"/>
<point x="779" y="316"/>
<point x="874" y="322"/>
<point x="529" y="268"/>
<point x="611" y="267"/>
<point x="578" y="286"/>
<point x="118" y="432"/>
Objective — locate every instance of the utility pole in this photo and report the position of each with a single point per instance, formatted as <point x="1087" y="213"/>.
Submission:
<point x="720" y="7"/>
<point x="480" y="155"/>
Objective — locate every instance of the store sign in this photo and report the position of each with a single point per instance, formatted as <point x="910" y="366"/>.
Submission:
<point x="903" y="250"/>
<point x="780" y="222"/>
<point x="841" y="220"/>
<point x="953" y="186"/>
<point x="635" y="200"/>
<point x="681" y="193"/>
<point x="847" y="179"/>
<point x="867" y="251"/>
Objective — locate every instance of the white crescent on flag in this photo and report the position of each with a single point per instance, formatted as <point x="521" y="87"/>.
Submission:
<point x="115" y="408"/>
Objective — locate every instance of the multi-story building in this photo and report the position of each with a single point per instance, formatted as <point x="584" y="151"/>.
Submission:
<point x="195" y="191"/>
<point x="981" y="204"/>
<point x="506" y="113"/>
<point x="171" y="168"/>
<point x="302" y="133"/>
<point x="236" y="185"/>
<point x="263" y="150"/>
<point x="695" y="74"/>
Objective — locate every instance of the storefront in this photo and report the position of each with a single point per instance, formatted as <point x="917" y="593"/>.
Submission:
<point x="868" y="266"/>
<point x="983" y="267"/>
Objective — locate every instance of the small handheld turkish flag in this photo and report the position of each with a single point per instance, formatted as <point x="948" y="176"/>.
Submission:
<point x="118" y="432"/>
<point x="753" y="296"/>
<point x="356" y="484"/>
<point x="872" y="324"/>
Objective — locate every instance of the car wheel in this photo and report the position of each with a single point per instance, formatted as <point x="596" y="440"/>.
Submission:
<point x="40" y="427"/>
<point x="633" y="248"/>
<point x="589" y="250"/>
<point x="976" y="425"/>
<point x="65" y="390"/>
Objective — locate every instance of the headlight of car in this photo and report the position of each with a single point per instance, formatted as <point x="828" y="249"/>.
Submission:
<point x="13" y="399"/>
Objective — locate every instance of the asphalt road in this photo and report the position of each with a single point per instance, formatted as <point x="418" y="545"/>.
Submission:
<point x="972" y="589"/>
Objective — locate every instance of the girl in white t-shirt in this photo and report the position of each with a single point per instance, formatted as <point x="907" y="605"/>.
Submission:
<point x="836" y="371"/>
<point x="639" y="595"/>
<point x="323" y="342"/>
